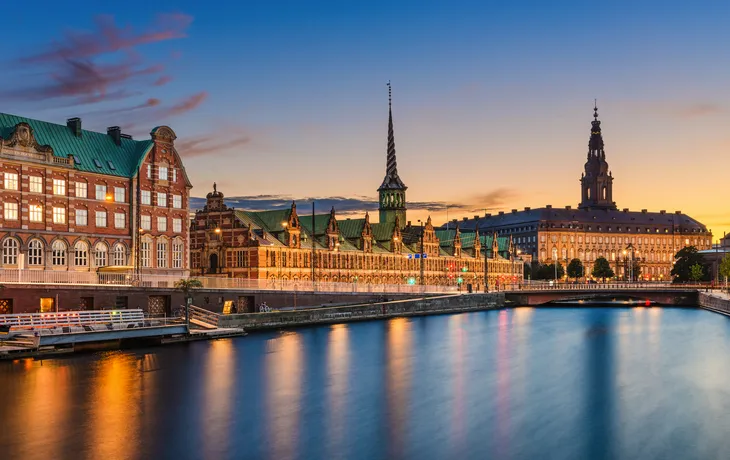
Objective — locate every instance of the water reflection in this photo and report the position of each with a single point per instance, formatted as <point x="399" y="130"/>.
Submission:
<point x="338" y="356"/>
<point x="218" y="382"/>
<point x="398" y="376"/>
<point x="283" y="393"/>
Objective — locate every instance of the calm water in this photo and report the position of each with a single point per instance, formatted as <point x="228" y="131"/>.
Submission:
<point x="522" y="384"/>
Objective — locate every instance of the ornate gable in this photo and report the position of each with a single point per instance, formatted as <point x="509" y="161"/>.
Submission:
<point x="22" y="143"/>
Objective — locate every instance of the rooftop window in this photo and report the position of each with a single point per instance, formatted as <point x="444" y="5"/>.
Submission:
<point x="111" y="165"/>
<point x="97" y="163"/>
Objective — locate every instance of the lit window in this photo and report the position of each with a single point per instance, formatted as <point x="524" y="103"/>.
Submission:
<point x="10" y="251"/>
<point x="177" y="225"/>
<point x="11" y="210"/>
<point x="100" y="254"/>
<point x="119" y="220"/>
<point x="120" y="255"/>
<point x="146" y="197"/>
<point x="149" y="171"/>
<point x="59" y="186"/>
<point x="174" y="174"/>
<point x="59" y="215"/>
<point x="82" y="217"/>
<point x="35" y="252"/>
<point x="101" y="218"/>
<point x="101" y="192"/>
<point x="144" y="253"/>
<point x="162" y="224"/>
<point x="145" y="222"/>
<point x="81" y="254"/>
<point x="177" y="254"/>
<point x="162" y="172"/>
<point x="162" y="254"/>
<point x="119" y="194"/>
<point x="161" y="199"/>
<point x="59" y="253"/>
<point x="35" y="213"/>
<point x="35" y="184"/>
<point x="81" y="190"/>
<point x="177" y="201"/>
<point x="11" y="181"/>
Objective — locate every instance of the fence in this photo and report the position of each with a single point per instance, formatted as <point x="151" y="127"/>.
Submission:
<point x="74" y="318"/>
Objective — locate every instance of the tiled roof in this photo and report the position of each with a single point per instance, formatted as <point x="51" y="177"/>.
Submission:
<point x="351" y="228"/>
<point x="124" y="158"/>
<point x="383" y="231"/>
<point x="320" y="221"/>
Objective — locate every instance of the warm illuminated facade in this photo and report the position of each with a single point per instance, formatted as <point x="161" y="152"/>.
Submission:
<point x="597" y="228"/>
<point x="70" y="199"/>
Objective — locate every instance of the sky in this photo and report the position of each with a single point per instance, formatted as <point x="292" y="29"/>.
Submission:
<point x="492" y="101"/>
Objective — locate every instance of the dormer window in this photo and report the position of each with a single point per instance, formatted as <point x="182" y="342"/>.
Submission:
<point x="163" y="172"/>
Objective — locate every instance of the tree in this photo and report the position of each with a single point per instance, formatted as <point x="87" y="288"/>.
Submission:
<point x="602" y="269"/>
<point x="527" y="271"/>
<point x="684" y="260"/>
<point x="186" y="286"/>
<point x="725" y="267"/>
<point x="696" y="272"/>
<point x="575" y="269"/>
<point x="552" y="272"/>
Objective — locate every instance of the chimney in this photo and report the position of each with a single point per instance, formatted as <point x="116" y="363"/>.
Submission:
<point x="527" y="208"/>
<point x="501" y="213"/>
<point x="568" y="208"/>
<point x="514" y="211"/>
<point x="476" y="217"/>
<point x="115" y="132"/>
<point x="548" y="206"/>
<point x="465" y="219"/>
<point x="74" y="124"/>
<point x="488" y="215"/>
<point x="677" y="212"/>
<point x="663" y="211"/>
<point x="643" y="211"/>
<point x="626" y="209"/>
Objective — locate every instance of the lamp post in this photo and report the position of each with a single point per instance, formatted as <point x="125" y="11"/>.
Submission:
<point x="486" y="266"/>
<point x="422" y="268"/>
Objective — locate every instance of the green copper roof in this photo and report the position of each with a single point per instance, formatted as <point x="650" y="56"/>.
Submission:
<point x="269" y="220"/>
<point x="383" y="231"/>
<point x="91" y="146"/>
<point x="320" y="220"/>
<point x="351" y="228"/>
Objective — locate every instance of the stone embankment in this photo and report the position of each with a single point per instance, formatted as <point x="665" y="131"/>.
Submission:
<point x="410" y="307"/>
<point x="715" y="301"/>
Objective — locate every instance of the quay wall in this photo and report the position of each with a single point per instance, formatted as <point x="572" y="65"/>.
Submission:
<point x="410" y="307"/>
<point x="715" y="303"/>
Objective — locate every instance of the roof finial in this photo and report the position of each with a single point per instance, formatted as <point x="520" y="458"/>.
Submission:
<point x="390" y="95"/>
<point x="595" y="109"/>
<point x="215" y="187"/>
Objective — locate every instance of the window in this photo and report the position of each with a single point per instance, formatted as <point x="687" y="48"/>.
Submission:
<point x="81" y="254"/>
<point x="177" y="254"/>
<point x="35" y="184"/>
<point x="82" y="217"/>
<point x="120" y="255"/>
<point x="177" y="225"/>
<point x="174" y="174"/>
<point x="146" y="197"/>
<point x="35" y="252"/>
<point x="11" y="181"/>
<point x="145" y="222"/>
<point x="81" y="190"/>
<point x="162" y="254"/>
<point x="177" y="201"/>
<point x="101" y="218"/>
<point x="59" y="186"/>
<point x="35" y="213"/>
<point x="59" y="215"/>
<point x="161" y="199"/>
<point x="101" y="192"/>
<point x="58" y="256"/>
<point x="97" y="163"/>
<point x="11" y="210"/>
<point x="119" y="194"/>
<point x="100" y="253"/>
<point x="144" y="253"/>
<point x="119" y="220"/>
<point x="111" y="165"/>
<point x="162" y="172"/>
<point x="10" y="251"/>
<point x="162" y="224"/>
<point x="149" y="171"/>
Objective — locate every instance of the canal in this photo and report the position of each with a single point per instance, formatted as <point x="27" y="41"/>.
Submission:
<point x="526" y="383"/>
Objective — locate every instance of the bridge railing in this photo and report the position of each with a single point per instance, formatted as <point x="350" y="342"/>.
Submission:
<point x="609" y="286"/>
<point x="72" y="318"/>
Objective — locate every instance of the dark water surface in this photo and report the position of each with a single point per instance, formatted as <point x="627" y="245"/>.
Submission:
<point x="523" y="384"/>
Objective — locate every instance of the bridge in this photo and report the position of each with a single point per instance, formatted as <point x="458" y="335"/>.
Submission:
<point x="650" y="293"/>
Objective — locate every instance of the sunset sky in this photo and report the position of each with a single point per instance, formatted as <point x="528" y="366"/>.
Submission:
<point x="492" y="100"/>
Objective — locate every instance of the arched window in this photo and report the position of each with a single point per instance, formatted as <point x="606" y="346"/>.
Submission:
<point x="588" y="193"/>
<point x="177" y="254"/>
<point x="564" y="253"/>
<point x="604" y="193"/>
<point x="81" y="254"/>
<point x="555" y="254"/>
<point x="144" y="252"/>
<point x="162" y="253"/>
<point x="10" y="251"/>
<point x="120" y="255"/>
<point x="35" y="252"/>
<point x="58" y="258"/>
<point x="101" y="251"/>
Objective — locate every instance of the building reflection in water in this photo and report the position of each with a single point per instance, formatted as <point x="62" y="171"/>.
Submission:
<point x="284" y="377"/>
<point x="458" y="352"/>
<point x="338" y="360"/>
<point x="503" y="383"/>
<point x="218" y="398"/>
<point x="398" y="384"/>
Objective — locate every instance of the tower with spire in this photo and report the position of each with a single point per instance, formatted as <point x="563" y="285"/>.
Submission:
<point x="392" y="192"/>
<point x="596" y="182"/>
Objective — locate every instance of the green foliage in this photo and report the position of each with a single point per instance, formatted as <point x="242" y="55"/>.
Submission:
<point x="576" y="269"/>
<point x="725" y="267"/>
<point x="546" y="272"/>
<point x="684" y="260"/>
<point x="696" y="272"/>
<point x="527" y="271"/>
<point x="187" y="285"/>
<point x="602" y="269"/>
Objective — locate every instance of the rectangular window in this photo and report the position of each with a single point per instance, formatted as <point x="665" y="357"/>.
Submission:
<point x="11" y="211"/>
<point x="35" y="184"/>
<point x="81" y="190"/>
<point x="149" y="171"/>
<point x="162" y="224"/>
<point x="161" y="199"/>
<point x="119" y="194"/>
<point x="162" y="172"/>
<point x="101" y="218"/>
<point x="144" y="254"/>
<point x="146" y="197"/>
<point x="119" y="220"/>
<point x="177" y="255"/>
<point x="177" y="225"/>
<point x="174" y="175"/>
<point x="59" y="215"/>
<point x="162" y="254"/>
<point x="82" y="217"/>
<point x="177" y="201"/>
<point x="145" y="222"/>
<point x="11" y="181"/>
<point x="59" y="186"/>
<point x="35" y="213"/>
<point x="100" y="192"/>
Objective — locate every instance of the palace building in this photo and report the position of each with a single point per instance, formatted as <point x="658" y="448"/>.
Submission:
<point x="78" y="200"/>
<point x="597" y="228"/>
<point x="296" y="245"/>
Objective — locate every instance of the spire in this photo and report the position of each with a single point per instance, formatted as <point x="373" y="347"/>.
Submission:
<point x="595" y="144"/>
<point x="391" y="181"/>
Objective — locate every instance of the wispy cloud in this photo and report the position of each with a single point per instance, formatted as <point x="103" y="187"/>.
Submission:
<point x="186" y="104"/>
<point x="209" y="144"/>
<point x="682" y="110"/>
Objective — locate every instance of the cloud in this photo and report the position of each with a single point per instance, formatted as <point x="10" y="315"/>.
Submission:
<point x="680" y="109"/>
<point x="186" y="104"/>
<point x="699" y="110"/>
<point x="205" y="145"/>
<point x="163" y="80"/>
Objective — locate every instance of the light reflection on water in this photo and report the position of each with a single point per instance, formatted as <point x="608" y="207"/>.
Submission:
<point x="522" y="383"/>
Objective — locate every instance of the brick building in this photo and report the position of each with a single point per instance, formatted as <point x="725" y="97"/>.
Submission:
<point x="73" y="199"/>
